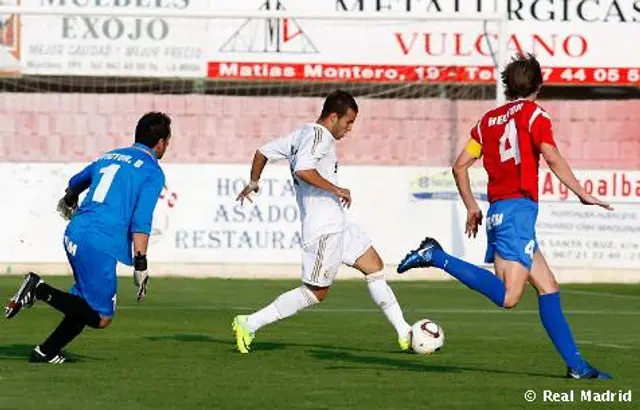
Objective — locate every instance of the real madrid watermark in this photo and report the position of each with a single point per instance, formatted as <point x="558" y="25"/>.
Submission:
<point x="578" y="395"/>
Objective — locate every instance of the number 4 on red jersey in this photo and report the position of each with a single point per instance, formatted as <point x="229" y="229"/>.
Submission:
<point x="509" y="139"/>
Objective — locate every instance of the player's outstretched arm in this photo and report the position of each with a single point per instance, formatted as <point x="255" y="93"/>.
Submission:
<point x="562" y="170"/>
<point x="313" y="178"/>
<point x="257" y="166"/>
<point x="68" y="204"/>
<point x="461" y="175"/>
<point x="141" y="225"/>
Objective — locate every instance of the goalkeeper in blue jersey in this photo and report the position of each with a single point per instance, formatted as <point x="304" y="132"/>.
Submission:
<point x="114" y="218"/>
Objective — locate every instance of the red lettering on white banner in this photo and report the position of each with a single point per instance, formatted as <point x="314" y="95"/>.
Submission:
<point x="459" y="44"/>
<point x="412" y="73"/>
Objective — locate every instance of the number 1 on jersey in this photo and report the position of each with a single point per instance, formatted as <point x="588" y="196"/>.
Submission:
<point x="510" y="135"/>
<point x="108" y="173"/>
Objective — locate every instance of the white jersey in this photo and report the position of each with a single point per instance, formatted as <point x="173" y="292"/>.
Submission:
<point x="311" y="147"/>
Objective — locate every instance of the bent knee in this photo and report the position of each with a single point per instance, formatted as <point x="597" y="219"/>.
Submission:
<point x="318" y="292"/>
<point x="510" y="304"/>
<point x="376" y="265"/>
<point x="369" y="262"/>
<point x="105" y="322"/>
<point x="321" y="295"/>
<point x="511" y="301"/>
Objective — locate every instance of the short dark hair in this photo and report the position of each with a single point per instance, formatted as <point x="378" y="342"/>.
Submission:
<point x="338" y="102"/>
<point x="153" y="127"/>
<point x="522" y="76"/>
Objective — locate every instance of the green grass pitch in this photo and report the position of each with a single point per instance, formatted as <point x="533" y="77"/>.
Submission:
<point x="176" y="351"/>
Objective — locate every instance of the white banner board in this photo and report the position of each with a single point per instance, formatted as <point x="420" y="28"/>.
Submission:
<point x="570" y="234"/>
<point x="572" y="39"/>
<point x="114" y="45"/>
<point x="578" y="42"/>
<point x="198" y="221"/>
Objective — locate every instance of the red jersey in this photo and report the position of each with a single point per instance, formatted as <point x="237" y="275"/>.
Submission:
<point x="510" y="137"/>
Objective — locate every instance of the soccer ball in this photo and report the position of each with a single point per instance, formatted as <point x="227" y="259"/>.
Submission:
<point x="427" y="337"/>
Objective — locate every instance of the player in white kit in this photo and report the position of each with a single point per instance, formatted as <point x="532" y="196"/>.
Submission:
<point x="328" y="240"/>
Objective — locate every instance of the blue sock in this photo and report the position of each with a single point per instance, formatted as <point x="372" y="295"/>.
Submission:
<point x="557" y="327"/>
<point x="478" y="279"/>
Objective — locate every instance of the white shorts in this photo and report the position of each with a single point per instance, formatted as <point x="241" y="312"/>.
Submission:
<point x="322" y="259"/>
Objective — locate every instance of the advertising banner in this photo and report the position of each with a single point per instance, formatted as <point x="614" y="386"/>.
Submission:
<point x="577" y="41"/>
<point x="572" y="39"/>
<point x="114" y="45"/>
<point x="569" y="234"/>
<point x="197" y="219"/>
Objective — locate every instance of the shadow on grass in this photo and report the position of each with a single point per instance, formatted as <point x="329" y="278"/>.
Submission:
<point x="15" y="351"/>
<point x="257" y="345"/>
<point x="410" y="364"/>
<point x="184" y="337"/>
<point x="21" y="352"/>
<point x="350" y="358"/>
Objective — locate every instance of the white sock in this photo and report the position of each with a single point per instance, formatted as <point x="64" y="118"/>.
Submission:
<point x="285" y="305"/>
<point x="384" y="297"/>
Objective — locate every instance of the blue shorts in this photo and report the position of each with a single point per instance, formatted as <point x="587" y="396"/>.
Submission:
<point x="95" y="275"/>
<point x="511" y="231"/>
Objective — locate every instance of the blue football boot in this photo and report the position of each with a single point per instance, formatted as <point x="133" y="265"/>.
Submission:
<point x="419" y="258"/>
<point x="589" y="372"/>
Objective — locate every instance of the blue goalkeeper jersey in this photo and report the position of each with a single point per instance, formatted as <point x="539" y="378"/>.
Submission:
<point x="123" y="188"/>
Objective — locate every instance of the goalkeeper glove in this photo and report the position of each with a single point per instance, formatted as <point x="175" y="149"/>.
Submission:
<point x="68" y="204"/>
<point x="140" y="275"/>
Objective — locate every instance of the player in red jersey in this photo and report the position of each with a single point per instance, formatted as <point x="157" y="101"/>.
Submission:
<point x="511" y="139"/>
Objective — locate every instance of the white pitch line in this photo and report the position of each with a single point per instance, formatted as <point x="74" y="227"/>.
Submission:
<point x="600" y="294"/>
<point x="373" y="310"/>
<point x="610" y="345"/>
